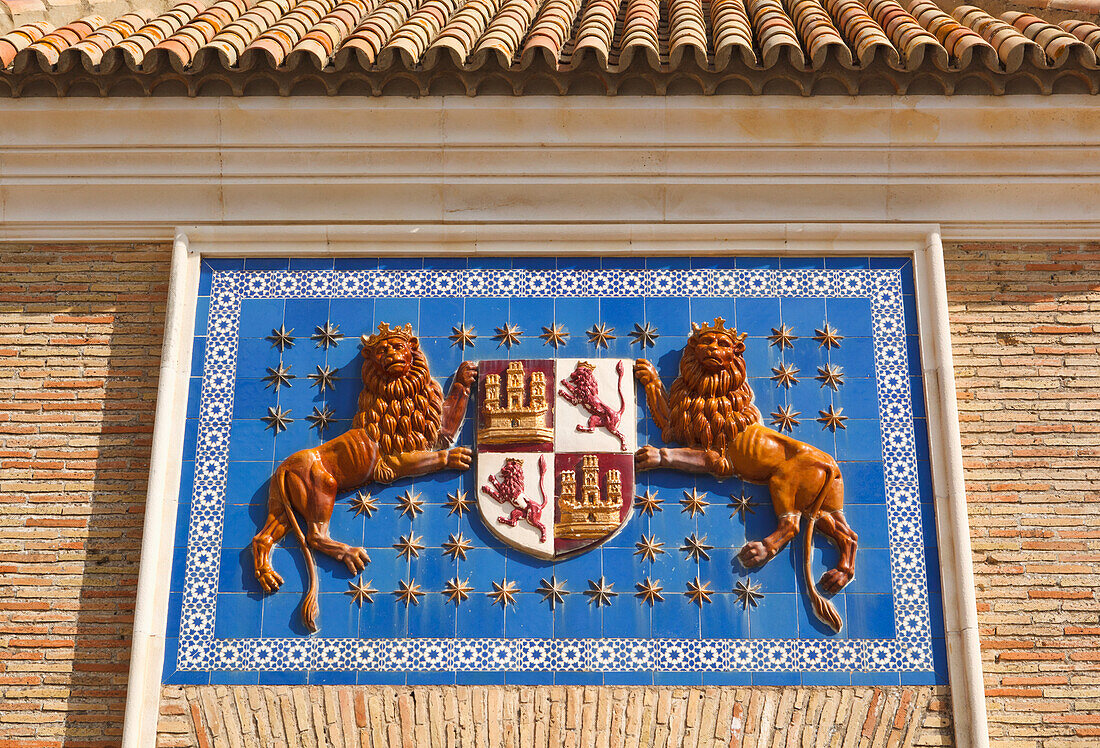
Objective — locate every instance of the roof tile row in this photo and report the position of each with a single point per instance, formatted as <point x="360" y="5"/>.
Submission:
<point x="414" y="34"/>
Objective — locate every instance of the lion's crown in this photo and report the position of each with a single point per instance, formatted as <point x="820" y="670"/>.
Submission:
<point x="385" y="331"/>
<point x="718" y="326"/>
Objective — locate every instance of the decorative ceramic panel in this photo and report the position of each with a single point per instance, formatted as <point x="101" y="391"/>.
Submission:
<point x="558" y="538"/>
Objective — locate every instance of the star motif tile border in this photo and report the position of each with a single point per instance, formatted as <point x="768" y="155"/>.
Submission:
<point x="198" y="649"/>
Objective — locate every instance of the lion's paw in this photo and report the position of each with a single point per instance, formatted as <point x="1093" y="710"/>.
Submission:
<point x="355" y="559"/>
<point x="753" y="554"/>
<point x="459" y="458"/>
<point x="647" y="458"/>
<point x="645" y="372"/>
<point x="834" y="580"/>
<point x="466" y="374"/>
<point x="269" y="580"/>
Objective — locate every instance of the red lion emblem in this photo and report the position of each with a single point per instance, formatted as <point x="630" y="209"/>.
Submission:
<point x="581" y="389"/>
<point x="509" y="490"/>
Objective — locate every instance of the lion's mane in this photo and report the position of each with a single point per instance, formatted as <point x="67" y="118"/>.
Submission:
<point x="585" y="381"/>
<point x="511" y="483"/>
<point x="709" y="410"/>
<point x="402" y="414"/>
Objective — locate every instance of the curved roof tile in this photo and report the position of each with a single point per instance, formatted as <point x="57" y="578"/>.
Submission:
<point x="751" y="42"/>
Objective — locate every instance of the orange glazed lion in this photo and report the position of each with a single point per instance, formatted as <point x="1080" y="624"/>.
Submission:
<point x="710" y="409"/>
<point x="399" y="430"/>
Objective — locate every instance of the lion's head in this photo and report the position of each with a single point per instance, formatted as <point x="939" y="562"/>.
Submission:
<point x="711" y="401"/>
<point x="400" y="406"/>
<point x="511" y="477"/>
<point x="583" y="379"/>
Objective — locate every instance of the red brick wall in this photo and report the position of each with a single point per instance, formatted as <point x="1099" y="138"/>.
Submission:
<point x="1026" y="339"/>
<point x="80" y="335"/>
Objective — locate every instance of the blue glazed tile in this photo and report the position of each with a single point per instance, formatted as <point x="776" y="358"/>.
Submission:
<point x="870" y="616"/>
<point x="344" y="264"/>
<point x="907" y="285"/>
<point x="910" y="312"/>
<point x="534" y="263"/>
<point x="628" y="678"/>
<point x="236" y="572"/>
<point x="188" y="678"/>
<point x="667" y="263"/>
<point x="386" y="569"/>
<point x="860" y="441"/>
<point x="776" y="679"/>
<point x="627" y="616"/>
<point x="372" y="678"/>
<point x="527" y="572"/>
<point x="775" y="617"/>
<point x="883" y="678"/>
<point x="234" y="677"/>
<point x="761" y="357"/>
<point x="677" y="617"/>
<point x="864" y="482"/>
<point x="190" y="436"/>
<point x="776" y="575"/>
<point x="290" y="564"/>
<point x="801" y="263"/>
<point x="385" y="617"/>
<point x="198" y="355"/>
<point x="846" y="263"/>
<point x="398" y="312"/>
<point x="479" y="617"/>
<point x="284" y="678"/>
<point x="172" y="630"/>
<point x="919" y="679"/>
<point x="889" y="262"/>
<point x="850" y="317"/>
<point x="705" y="310"/>
<point x="912" y="345"/>
<point x="400" y="263"/>
<point x="577" y="316"/>
<point x="475" y="678"/>
<point x="622" y="567"/>
<point x="431" y="570"/>
<point x="339" y="616"/>
<point x="187" y="480"/>
<point x="485" y="315"/>
<point x="354" y="317"/>
<point x="804" y="315"/>
<point x="807" y="355"/>
<point x="251" y="441"/>
<point x="858" y="397"/>
<point x="577" y="618"/>
<point x="439" y="316"/>
<point x="678" y="679"/>
<point x="206" y="277"/>
<point x="238" y="616"/>
<point x="300" y="264"/>
<point x="252" y="398"/>
<point x="433" y="678"/>
<point x="870" y="523"/>
<point x="623" y="263"/>
<point x="725" y="618"/>
<point x="202" y="315"/>
<point x="812" y="627"/>
<point x="872" y="571"/>
<point x="260" y="316"/>
<point x="433" y="617"/>
<point x="827" y="678"/>
<point x="532" y="315"/>
<point x="932" y="564"/>
<point x="194" y="392"/>
<point x="756" y="316"/>
<point x="757" y="263"/>
<point x="939" y="657"/>
<point x="713" y="263"/>
<point x="711" y="678"/>
<point x="254" y="357"/>
<point x="282" y="615"/>
<point x="183" y="522"/>
<point x="530" y="618"/>
<point x="672" y="318"/>
<point x="260" y="264"/>
<point x="856" y="358"/>
<point x="483" y="566"/>
<point x="332" y="678"/>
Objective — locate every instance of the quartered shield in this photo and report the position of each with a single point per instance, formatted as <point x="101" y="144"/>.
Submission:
<point x="555" y="451"/>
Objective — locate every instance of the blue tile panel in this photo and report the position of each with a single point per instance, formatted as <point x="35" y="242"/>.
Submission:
<point x="224" y="630"/>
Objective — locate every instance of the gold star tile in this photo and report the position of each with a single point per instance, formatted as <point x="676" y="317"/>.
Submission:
<point x="699" y="592"/>
<point x="785" y="375"/>
<point x="600" y="592"/>
<point x="324" y="378"/>
<point x="552" y="590"/>
<point x="694" y="502"/>
<point x="411" y="504"/>
<point x="320" y="419"/>
<point x="409" y="592"/>
<point x="462" y="336"/>
<point x="741" y="505"/>
<point x="504" y="593"/>
<point x="281" y="338"/>
<point x="457" y="503"/>
<point x="649" y="548"/>
<point x="458" y="590"/>
<point x="783" y="337"/>
<point x="648" y="503"/>
<point x="508" y="336"/>
<point x="277" y="418"/>
<point x="786" y="418"/>
<point x="361" y="591"/>
<point x="278" y="377"/>
<point x="828" y="338"/>
<point x="832" y="419"/>
<point x="696" y="548"/>
<point x="600" y="335"/>
<point x="327" y="335"/>
<point x="457" y="546"/>
<point x="748" y="594"/>
<point x="555" y="335"/>
<point x="644" y="336"/>
<point x="649" y="590"/>
<point x="364" y="503"/>
<point x="830" y="376"/>
<point x="409" y="546"/>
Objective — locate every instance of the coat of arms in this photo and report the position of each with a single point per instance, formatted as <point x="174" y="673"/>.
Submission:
<point x="556" y="442"/>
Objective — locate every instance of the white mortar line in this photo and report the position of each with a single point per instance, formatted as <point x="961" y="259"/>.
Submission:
<point x="139" y="729"/>
<point x="949" y="491"/>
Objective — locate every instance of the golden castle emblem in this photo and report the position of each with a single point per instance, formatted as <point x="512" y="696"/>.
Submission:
<point x="593" y="513"/>
<point x="519" y="413"/>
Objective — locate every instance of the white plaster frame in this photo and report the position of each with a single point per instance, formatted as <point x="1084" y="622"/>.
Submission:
<point x="920" y="242"/>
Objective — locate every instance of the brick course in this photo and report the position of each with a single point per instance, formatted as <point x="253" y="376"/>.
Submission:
<point x="80" y="336"/>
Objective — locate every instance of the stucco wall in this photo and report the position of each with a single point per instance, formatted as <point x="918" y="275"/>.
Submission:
<point x="80" y="334"/>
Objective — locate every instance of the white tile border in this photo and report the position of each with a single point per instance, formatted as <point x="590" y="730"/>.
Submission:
<point x="922" y="243"/>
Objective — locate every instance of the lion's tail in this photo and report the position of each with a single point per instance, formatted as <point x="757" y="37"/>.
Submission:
<point x="823" y="609"/>
<point x="621" y="370"/>
<point x="309" y="604"/>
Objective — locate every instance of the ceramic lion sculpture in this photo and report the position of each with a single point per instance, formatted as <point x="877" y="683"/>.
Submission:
<point x="401" y="429"/>
<point x="710" y="410"/>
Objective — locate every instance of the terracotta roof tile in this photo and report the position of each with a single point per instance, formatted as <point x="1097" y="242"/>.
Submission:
<point x="377" y="42"/>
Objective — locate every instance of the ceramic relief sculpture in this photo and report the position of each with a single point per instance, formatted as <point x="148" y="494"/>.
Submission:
<point x="710" y="410"/>
<point x="592" y="466"/>
<point x="402" y="427"/>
